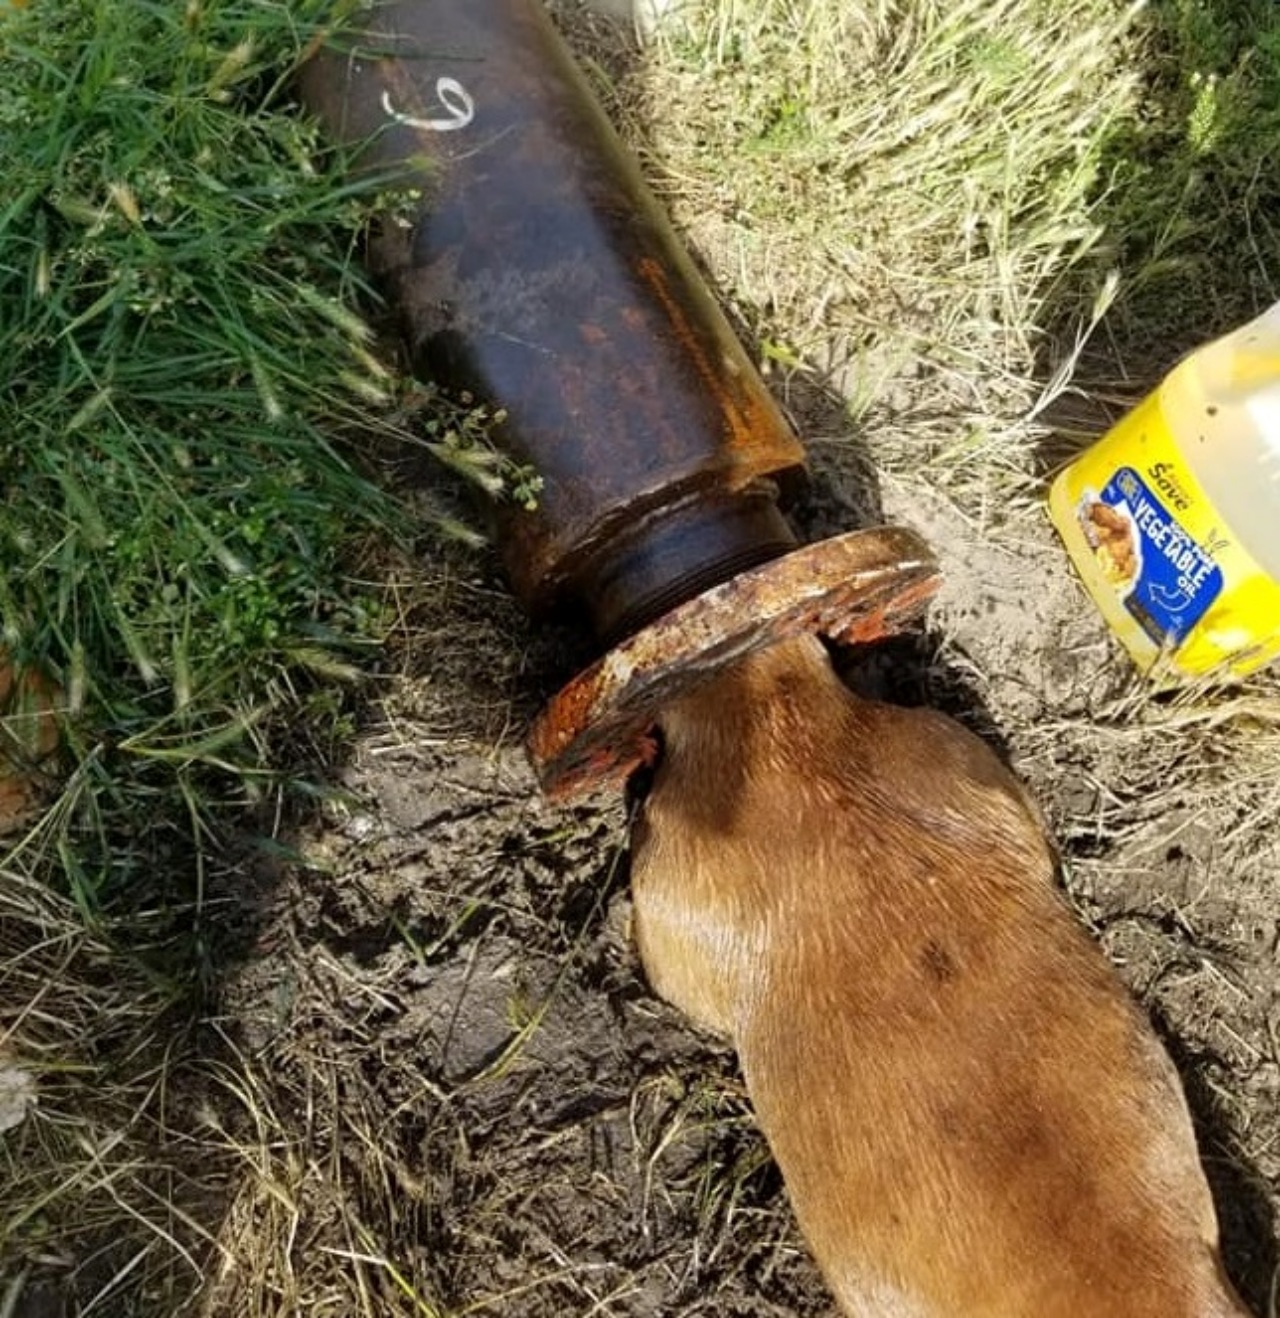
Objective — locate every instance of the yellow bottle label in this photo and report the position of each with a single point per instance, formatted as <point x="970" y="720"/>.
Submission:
<point x="1163" y="567"/>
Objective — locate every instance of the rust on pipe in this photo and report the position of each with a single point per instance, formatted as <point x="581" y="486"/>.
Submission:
<point x="858" y="587"/>
<point x="541" y="274"/>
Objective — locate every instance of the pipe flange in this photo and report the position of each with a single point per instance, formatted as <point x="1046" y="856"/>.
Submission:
<point x="855" y="588"/>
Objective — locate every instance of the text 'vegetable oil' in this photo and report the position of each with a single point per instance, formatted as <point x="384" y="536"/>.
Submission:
<point x="1173" y="517"/>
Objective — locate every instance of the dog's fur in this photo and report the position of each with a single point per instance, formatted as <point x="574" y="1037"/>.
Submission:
<point x="970" y="1114"/>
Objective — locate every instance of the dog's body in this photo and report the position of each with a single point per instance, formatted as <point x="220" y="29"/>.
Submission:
<point x="971" y="1116"/>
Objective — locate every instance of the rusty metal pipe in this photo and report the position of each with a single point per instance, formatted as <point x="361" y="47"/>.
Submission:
<point x="541" y="274"/>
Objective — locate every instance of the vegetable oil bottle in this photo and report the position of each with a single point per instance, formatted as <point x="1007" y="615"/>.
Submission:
<point x="1173" y="517"/>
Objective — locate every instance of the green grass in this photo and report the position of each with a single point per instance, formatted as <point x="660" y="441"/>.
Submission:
<point x="178" y="352"/>
<point x="193" y="408"/>
<point x="185" y="389"/>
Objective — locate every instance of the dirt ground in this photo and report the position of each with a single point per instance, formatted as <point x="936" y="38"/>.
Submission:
<point x="447" y="1017"/>
<point x="477" y="1103"/>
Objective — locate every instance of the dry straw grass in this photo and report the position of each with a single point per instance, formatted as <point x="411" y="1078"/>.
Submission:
<point x="102" y="1196"/>
<point x="918" y="172"/>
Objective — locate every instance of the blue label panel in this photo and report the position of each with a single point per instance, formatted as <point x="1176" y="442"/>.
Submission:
<point x="1172" y="581"/>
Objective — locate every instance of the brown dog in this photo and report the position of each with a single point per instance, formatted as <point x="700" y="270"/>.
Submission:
<point x="970" y="1114"/>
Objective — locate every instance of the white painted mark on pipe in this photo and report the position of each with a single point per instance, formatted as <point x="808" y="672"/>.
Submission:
<point x="454" y="97"/>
